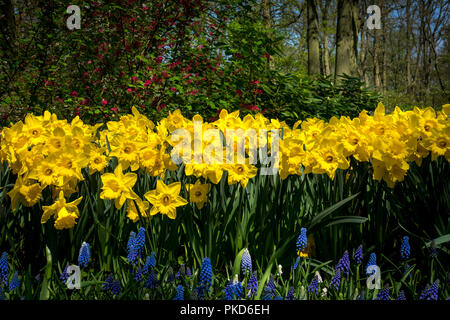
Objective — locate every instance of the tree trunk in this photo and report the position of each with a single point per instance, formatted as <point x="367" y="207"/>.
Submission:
<point x="376" y="62"/>
<point x="267" y="19"/>
<point x="326" y="53"/>
<point x="345" y="52"/>
<point x="356" y="23"/>
<point x="313" y="38"/>
<point x="408" y="50"/>
<point x="363" y="57"/>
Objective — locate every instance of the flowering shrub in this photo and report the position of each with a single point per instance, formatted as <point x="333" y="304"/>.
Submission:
<point x="158" y="56"/>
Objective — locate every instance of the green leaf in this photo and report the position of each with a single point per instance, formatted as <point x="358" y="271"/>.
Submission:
<point x="439" y="240"/>
<point x="330" y="210"/>
<point x="237" y="263"/>
<point x="45" y="293"/>
<point x="346" y="219"/>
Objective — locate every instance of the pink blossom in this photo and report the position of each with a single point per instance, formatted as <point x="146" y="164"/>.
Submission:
<point x="104" y="102"/>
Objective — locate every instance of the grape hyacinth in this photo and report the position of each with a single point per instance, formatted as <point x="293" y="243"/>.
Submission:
<point x="372" y="261"/>
<point x="152" y="281"/>
<point x="271" y="284"/>
<point x="108" y="283"/>
<point x="206" y="274"/>
<point x="152" y="260"/>
<point x="290" y="294"/>
<point x="170" y="275"/>
<point x="64" y="275"/>
<point x="135" y="245"/>
<point x="115" y="287"/>
<point x="425" y="292"/>
<point x="180" y="293"/>
<point x="401" y="295"/>
<point x="130" y="243"/>
<point x="15" y="282"/>
<point x="296" y="263"/>
<point x="233" y="291"/>
<point x="150" y="263"/>
<point x="4" y="268"/>
<point x="344" y="263"/>
<point x="434" y="290"/>
<point x="138" y="275"/>
<point x="336" y="281"/>
<point x="181" y="272"/>
<point x="139" y="241"/>
<point x="314" y="286"/>
<point x="252" y="285"/>
<point x="430" y="292"/>
<point x="358" y="256"/>
<point x="85" y="254"/>
<point x="188" y="272"/>
<point x="246" y="262"/>
<point x="302" y="241"/>
<point x="405" y="249"/>
<point x="383" y="294"/>
<point x="267" y="294"/>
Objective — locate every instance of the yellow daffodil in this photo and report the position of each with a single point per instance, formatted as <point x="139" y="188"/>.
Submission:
<point x="198" y="193"/>
<point x="132" y="212"/>
<point x="64" y="213"/>
<point x="240" y="173"/>
<point x="165" y="199"/>
<point x="118" y="186"/>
